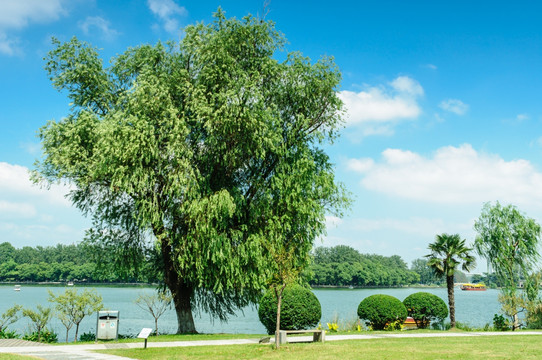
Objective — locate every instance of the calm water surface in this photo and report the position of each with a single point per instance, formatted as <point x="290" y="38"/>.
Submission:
<point x="475" y="308"/>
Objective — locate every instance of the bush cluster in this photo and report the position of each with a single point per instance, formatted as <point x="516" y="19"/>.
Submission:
<point x="88" y="336"/>
<point x="380" y="310"/>
<point x="500" y="323"/>
<point x="45" y="336"/>
<point x="424" y="307"/>
<point x="300" y="309"/>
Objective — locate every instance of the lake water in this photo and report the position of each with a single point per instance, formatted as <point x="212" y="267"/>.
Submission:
<point x="475" y="308"/>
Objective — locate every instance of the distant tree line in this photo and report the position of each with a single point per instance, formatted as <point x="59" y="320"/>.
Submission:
<point x="428" y="276"/>
<point x="331" y="266"/>
<point x="344" y="266"/>
<point x="64" y="263"/>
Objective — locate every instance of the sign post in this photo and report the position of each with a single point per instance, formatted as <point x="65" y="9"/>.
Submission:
<point x="144" y="334"/>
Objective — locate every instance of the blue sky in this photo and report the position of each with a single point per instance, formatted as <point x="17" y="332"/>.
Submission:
<point x="443" y="100"/>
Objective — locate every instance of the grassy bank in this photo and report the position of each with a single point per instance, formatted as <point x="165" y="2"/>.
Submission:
<point x="490" y="347"/>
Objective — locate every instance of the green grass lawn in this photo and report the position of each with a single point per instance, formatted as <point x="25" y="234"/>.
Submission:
<point x="15" y="357"/>
<point x="175" y="337"/>
<point x="475" y="348"/>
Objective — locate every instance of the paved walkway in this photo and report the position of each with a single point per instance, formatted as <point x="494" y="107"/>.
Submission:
<point x="83" y="352"/>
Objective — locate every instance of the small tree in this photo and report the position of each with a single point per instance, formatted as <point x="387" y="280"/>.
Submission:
<point x="509" y="241"/>
<point x="155" y="304"/>
<point x="39" y="318"/>
<point x="287" y="267"/>
<point x="10" y="316"/>
<point x="73" y="307"/>
<point x="424" y="307"/>
<point x="380" y="310"/>
<point x="447" y="253"/>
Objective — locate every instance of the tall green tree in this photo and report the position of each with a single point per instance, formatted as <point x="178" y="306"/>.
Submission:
<point x="199" y="152"/>
<point x="509" y="241"/>
<point x="7" y="252"/>
<point x="447" y="253"/>
<point x="427" y="275"/>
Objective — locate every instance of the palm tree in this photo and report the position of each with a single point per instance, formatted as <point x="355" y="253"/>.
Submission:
<point x="447" y="252"/>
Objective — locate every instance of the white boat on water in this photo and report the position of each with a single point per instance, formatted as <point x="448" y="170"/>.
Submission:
<point x="70" y="283"/>
<point x="17" y="288"/>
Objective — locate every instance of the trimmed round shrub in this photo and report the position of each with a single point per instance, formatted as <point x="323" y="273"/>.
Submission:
<point x="424" y="307"/>
<point x="381" y="310"/>
<point x="300" y="309"/>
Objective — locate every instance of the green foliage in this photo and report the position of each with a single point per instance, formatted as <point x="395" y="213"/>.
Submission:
<point x="394" y="325"/>
<point x="45" y="336"/>
<point x="8" y="334"/>
<point x="39" y="318"/>
<point x="343" y="266"/>
<point x="62" y="263"/>
<point x="300" y="309"/>
<point x="509" y="241"/>
<point x="490" y="280"/>
<point x="380" y="310"/>
<point x="212" y="146"/>
<point x="72" y="307"/>
<point x="534" y="317"/>
<point x="500" y="323"/>
<point x="10" y="316"/>
<point x="426" y="273"/>
<point x="424" y="308"/>
<point x="465" y="327"/>
<point x="447" y="253"/>
<point x="88" y="336"/>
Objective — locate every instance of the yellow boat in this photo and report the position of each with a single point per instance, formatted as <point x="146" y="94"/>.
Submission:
<point x="473" y="287"/>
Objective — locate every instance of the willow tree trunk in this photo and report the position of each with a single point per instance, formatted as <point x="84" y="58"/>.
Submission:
<point x="181" y="292"/>
<point x="183" y="308"/>
<point x="451" y="299"/>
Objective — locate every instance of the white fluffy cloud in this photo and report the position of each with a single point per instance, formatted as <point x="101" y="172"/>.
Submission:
<point x="15" y="183"/>
<point x="17" y="14"/>
<point x="99" y="23"/>
<point x="453" y="175"/>
<point x="24" y="210"/>
<point x="167" y="10"/>
<point x="378" y="109"/>
<point x="31" y="215"/>
<point x="455" y="106"/>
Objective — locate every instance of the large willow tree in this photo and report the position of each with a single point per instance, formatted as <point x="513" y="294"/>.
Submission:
<point x="509" y="240"/>
<point x="209" y="150"/>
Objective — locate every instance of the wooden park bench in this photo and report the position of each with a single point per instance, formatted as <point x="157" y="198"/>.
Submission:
<point x="317" y="334"/>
